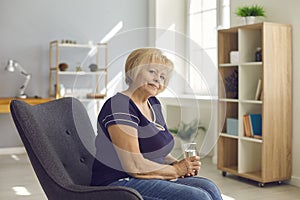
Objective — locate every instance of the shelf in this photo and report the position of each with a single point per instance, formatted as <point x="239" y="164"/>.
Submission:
<point x="251" y="139"/>
<point x="251" y="64"/>
<point x="256" y="176"/>
<point x="240" y="64"/>
<point x="83" y="99"/>
<point x="242" y="138"/>
<point x="251" y="101"/>
<point x="77" y="45"/>
<point x="229" y="136"/>
<point x="228" y="65"/>
<point x="229" y="100"/>
<point x="81" y="73"/>
<point x="231" y="169"/>
<point x="87" y="46"/>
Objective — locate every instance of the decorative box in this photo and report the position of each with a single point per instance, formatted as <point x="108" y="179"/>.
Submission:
<point x="232" y="126"/>
<point x="234" y="57"/>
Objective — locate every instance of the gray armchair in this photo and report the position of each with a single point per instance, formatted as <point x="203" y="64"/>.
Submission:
<point x="59" y="139"/>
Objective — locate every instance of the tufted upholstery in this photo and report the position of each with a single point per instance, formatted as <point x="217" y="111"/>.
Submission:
<point x="59" y="139"/>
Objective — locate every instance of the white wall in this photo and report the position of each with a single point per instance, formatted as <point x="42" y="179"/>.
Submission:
<point x="28" y="26"/>
<point x="284" y="12"/>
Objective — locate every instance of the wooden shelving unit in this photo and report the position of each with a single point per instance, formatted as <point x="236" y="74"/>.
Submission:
<point x="267" y="159"/>
<point x="74" y="55"/>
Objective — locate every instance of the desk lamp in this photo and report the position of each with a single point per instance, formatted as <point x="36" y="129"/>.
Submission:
<point x="13" y="65"/>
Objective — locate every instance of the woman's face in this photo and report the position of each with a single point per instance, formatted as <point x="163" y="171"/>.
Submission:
<point x="151" y="78"/>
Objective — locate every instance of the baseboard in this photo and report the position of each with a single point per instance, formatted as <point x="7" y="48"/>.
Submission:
<point x="12" y="150"/>
<point x="295" y="181"/>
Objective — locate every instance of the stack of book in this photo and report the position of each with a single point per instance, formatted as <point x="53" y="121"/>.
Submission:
<point x="253" y="125"/>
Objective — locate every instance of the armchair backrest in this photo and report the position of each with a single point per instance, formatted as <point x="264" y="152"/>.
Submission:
<point x="59" y="140"/>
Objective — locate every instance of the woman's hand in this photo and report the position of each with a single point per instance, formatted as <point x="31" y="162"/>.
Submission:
<point x="188" y="167"/>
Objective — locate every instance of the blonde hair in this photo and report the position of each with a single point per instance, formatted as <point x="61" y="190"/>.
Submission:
<point x="145" y="56"/>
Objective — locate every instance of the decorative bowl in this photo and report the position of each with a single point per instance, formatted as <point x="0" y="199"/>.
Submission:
<point x="63" y="66"/>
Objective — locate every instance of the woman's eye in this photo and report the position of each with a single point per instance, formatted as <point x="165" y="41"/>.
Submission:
<point x="163" y="78"/>
<point x="152" y="71"/>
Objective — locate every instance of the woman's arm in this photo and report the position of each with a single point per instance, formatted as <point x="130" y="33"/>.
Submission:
<point x="170" y="159"/>
<point x="126" y="144"/>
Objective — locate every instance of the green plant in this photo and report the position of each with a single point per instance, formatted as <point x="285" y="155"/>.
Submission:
<point x="186" y="130"/>
<point x="254" y="10"/>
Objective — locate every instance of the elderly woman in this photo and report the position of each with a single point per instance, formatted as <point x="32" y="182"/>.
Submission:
<point x="133" y="142"/>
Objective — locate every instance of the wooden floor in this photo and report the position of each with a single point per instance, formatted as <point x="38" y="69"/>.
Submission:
<point x="18" y="181"/>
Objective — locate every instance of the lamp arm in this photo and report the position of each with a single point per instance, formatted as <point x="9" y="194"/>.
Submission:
<point x="24" y="86"/>
<point x="21" y="69"/>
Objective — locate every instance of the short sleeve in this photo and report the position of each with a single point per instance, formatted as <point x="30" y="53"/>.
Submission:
<point x="119" y="110"/>
<point x="121" y="118"/>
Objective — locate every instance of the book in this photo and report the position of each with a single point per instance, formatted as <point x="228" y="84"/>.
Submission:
<point x="250" y="125"/>
<point x="247" y="129"/>
<point x="256" y="124"/>
<point x="258" y="90"/>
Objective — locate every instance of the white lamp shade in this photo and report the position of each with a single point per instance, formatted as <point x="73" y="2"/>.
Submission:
<point x="10" y="66"/>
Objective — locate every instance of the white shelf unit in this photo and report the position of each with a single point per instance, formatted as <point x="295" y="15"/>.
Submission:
<point x="79" y="83"/>
<point x="249" y="157"/>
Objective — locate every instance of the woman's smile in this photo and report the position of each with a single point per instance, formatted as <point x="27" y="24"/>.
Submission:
<point x="154" y="86"/>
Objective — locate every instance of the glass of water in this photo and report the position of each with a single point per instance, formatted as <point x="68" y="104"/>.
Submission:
<point x="190" y="149"/>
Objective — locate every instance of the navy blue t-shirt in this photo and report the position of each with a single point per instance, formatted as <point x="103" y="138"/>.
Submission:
<point x="155" y="141"/>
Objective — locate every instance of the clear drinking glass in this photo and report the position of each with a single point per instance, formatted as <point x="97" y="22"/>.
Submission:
<point x="190" y="149"/>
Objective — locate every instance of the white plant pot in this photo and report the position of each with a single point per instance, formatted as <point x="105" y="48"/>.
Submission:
<point x="250" y="20"/>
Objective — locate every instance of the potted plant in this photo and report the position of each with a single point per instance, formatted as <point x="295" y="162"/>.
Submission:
<point x="185" y="131"/>
<point x="250" y="13"/>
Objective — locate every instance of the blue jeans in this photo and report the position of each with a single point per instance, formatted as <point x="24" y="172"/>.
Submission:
<point x="183" y="188"/>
